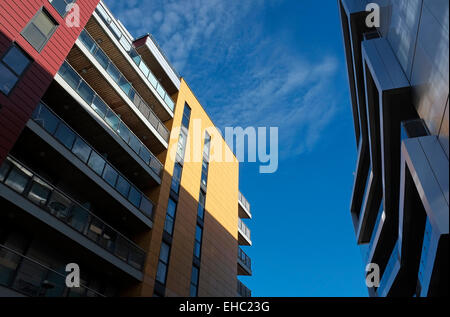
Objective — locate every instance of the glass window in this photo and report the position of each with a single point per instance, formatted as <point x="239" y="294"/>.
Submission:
<point x="193" y="291"/>
<point x="194" y="276"/>
<point x="186" y="116"/>
<point x="168" y="225"/>
<point x="175" y="186"/>
<point x="161" y="273"/>
<point x="181" y="145"/>
<point x="61" y="6"/>
<point x="197" y="249"/>
<point x="81" y="150"/>
<point x="65" y="136"/>
<point x="198" y="233"/>
<point x="97" y="163"/>
<point x="122" y="186"/>
<point x="13" y="64"/>
<point x="59" y="205"/>
<point x="16" y="60"/>
<point x="39" y="30"/>
<point x="164" y="253"/>
<point x="18" y="179"/>
<point x="110" y="175"/>
<point x="7" y="80"/>
<point x="171" y="207"/>
<point x="201" y="211"/>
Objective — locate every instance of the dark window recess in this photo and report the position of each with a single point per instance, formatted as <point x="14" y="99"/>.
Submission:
<point x="13" y="64"/>
<point x="39" y="30"/>
<point x="186" y="116"/>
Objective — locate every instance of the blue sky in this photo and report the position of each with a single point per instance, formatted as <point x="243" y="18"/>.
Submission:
<point x="275" y="63"/>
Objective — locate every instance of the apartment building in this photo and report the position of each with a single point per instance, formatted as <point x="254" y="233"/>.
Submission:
<point x="398" y="79"/>
<point x="98" y="133"/>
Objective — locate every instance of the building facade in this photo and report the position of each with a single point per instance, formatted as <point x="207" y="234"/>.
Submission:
<point x="398" y="79"/>
<point x="105" y="162"/>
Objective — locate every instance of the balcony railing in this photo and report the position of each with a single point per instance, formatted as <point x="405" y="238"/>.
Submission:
<point x="56" y="127"/>
<point x="242" y="290"/>
<point x="137" y="59"/>
<point x="50" y="199"/>
<point x="244" y="202"/>
<point x="31" y="278"/>
<point x="245" y="230"/>
<point x="109" y="117"/>
<point x="116" y="75"/>
<point x="244" y="258"/>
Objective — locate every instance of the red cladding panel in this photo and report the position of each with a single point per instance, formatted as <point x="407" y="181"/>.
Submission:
<point x="17" y="107"/>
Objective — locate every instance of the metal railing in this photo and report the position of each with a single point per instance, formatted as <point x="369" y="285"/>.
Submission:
<point x="61" y="131"/>
<point x="135" y="56"/>
<point x="244" y="258"/>
<point x="164" y="55"/>
<point x="40" y="192"/>
<point x="31" y="278"/>
<point x="74" y="80"/>
<point x="116" y="75"/>
<point x="243" y="290"/>
<point x="245" y="230"/>
<point x="244" y="202"/>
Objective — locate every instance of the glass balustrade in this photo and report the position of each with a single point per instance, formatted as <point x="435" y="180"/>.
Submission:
<point x="109" y="117"/>
<point x="123" y="83"/>
<point x="31" y="278"/>
<point x="244" y="202"/>
<point x="48" y="198"/>
<point x="245" y="230"/>
<point x="243" y="290"/>
<point x="56" y="127"/>
<point x="244" y="258"/>
<point x="137" y="59"/>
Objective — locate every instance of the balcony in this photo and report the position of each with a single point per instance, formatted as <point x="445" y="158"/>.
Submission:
<point x="244" y="207"/>
<point x="115" y="40"/>
<point x="99" y="109"/>
<point x="153" y="55"/>
<point x="244" y="263"/>
<point x="40" y="198"/>
<point x="27" y="277"/>
<point x="242" y="290"/>
<point x="243" y="233"/>
<point x="78" y="152"/>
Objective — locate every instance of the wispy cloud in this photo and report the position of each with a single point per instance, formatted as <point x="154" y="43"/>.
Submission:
<point x="243" y="76"/>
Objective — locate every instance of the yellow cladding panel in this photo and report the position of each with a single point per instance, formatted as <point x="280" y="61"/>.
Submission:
<point x="219" y="245"/>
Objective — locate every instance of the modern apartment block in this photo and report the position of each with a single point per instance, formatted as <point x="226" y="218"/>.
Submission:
<point x="105" y="162"/>
<point x="398" y="77"/>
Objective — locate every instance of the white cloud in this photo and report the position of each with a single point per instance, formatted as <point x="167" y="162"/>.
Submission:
<point x="241" y="75"/>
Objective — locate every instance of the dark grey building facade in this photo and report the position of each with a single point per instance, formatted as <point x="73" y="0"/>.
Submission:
<point x="398" y="79"/>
